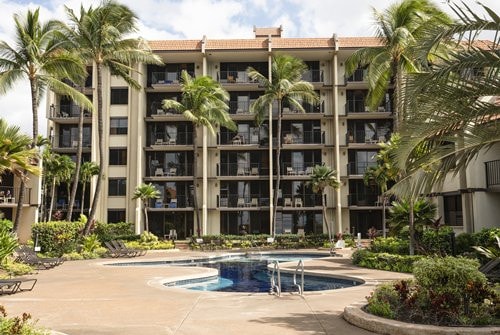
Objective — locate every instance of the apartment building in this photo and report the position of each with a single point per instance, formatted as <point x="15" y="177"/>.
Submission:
<point x="147" y="144"/>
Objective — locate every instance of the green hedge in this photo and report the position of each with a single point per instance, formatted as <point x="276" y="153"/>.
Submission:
<point x="384" y="261"/>
<point x="115" y="231"/>
<point x="57" y="237"/>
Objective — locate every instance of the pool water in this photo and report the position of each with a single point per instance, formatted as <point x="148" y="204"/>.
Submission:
<point x="252" y="275"/>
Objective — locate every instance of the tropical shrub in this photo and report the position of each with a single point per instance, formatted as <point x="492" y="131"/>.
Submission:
<point x="391" y="245"/>
<point x="8" y="242"/>
<point x="15" y="269"/>
<point x="384" y="261"/>
<point x="436" y="242"/>
<point x="57" y="237"/>
<point x="115" y="231"/>
<point x="424" y="212"/>
<point x="90" y="243"/>
<point x="19" y="325"/>
<point x="446" y="291"/>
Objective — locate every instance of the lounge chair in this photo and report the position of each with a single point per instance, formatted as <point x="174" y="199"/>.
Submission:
<point x="122" y="246"/>
<point x="116" y="251"/>
<point x="11" y="286"/>
<point x="28" y="256"/>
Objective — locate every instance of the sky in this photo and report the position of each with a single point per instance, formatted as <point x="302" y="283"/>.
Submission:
<point x="191" y="19"/>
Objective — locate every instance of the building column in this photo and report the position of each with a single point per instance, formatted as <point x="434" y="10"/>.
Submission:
<point x="338" y="198"/>
<point x="204" y="210"/>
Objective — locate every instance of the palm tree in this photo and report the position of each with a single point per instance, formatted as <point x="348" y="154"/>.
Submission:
<point x="400" y="29"/>
<point x="16" y="156"/>
<point x="457" y="108"/>
<point x="205" y="103"/>
<point x="58" y="169"/>
<point x="87" y="171"/>
<point x="285" y="87"/>
<point x="145" y="192"/>
<point x="39" y="55"/>
<point x="322" y="177"/>
<point x="101" y="35"/>
<point x="424" y="213"/>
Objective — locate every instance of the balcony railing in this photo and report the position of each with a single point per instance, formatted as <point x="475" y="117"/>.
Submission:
<point x="361" y="136"/>
<point x="238" y="169"/>
<point x="235" y="201"/>
<point x="239" y="107"/>
<point x="226" y="138"/>
<point x="167" y="78"/>
<point x="313" y="76"/>
<point x="66" y="111"/>
<point x="306" y="137"/>
<point x="362" y="199"/>
<point x="317" y="108"/>
<point x="170" y="170"/>
<point x="72" y="143"/>
<point x="156" y="109"/>
<point x="492" y="173"/>
<point x="359" y="168"/>
<point x="359" y="75"/>
<point x="10" y="195"/>
<point x="304" y="169"/>
<point x="182" y="138"/>
<point x="181" y="201"/>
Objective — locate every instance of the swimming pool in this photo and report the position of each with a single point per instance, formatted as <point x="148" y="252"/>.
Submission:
<point x="248" y="273"/>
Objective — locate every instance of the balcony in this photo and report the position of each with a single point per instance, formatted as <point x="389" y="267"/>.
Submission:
<point x="493" y="175"/>
<point x="181" y="201"/>
<point x="228" y="138"/>
<point x="359" y="168"/>
<point x="305" y="137"/>
<point x="239" y="201"/>
<point x="313" y="76"/>
<point x="234" y="77"/>
<point x="305" y="169"/>
<point x="72" y="144"/>
<point x="358" y="76"/>
<point x="237" y="170"/>
<point x="163" y="78"/>
<point x="308" y="109"/>
<point x="362" y="137"/>
<point x="68" y="112"/>
<point x="162" y="139"/>
<point x="159" y="170"/>
<point x="239" y="107"/>
<point x="363" y="199"/>
<point x="10" y="195"/>
<point x="156" y="110"/>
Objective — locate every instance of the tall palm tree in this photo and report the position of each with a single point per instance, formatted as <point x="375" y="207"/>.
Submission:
<point x="205" y="103"/>
<point x="285" y="87"/>
<point x="400" y="29"/>
<point x="322" y="177"/>
<point x="145" y="192"/>
<point x="87" y="171"/>
<point x="457" y="108"/>
<point x="102" y="37"/>
<point x="40" y="56"/>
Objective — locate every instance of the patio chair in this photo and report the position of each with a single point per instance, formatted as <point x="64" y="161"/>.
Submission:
<point x="287" y="202"/>
<point x="255" y="202"/>
<point x="159" y="172"/>
<point x="173" y="203"/>
<point x="290" y="171"/>
<point x="241" y="202"/>
<point x="122" y="246"/>
<point x="114" y="250"/>
<point x="14" y="285"/>
<point x="298" y="202"/>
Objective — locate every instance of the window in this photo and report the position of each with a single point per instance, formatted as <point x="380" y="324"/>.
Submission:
<point x="453" y="210"/>
<point x="116" y="215"/>
<point x="117" y="187"/>
<point x="119" y="96"/>
<point x="118" y="126"/>
<point x="117" y="156"/>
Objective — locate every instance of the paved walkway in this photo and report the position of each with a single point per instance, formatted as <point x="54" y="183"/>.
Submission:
<point x="85" y="297"/>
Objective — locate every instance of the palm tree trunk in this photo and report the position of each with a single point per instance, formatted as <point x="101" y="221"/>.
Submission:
<point x="52" y="196"/>
<point x="146" y="221"/>
<point x="325" y="220"/>
<point x="72" y="196"/>
<point x="398" y="98"/>
<point x="84" y="184"/>
<point x="412" y="227"/>
<point x="278" y="165"/>
<point x="195" y="179"/>
<point x="100" y="133"/>
<point x="22" y="186"/>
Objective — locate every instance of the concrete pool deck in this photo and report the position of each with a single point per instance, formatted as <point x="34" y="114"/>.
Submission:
<point x="85" y="297"/>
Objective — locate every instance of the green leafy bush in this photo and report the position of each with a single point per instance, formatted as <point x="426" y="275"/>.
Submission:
<point x="391" y="245"/>
<point x="15" y="269"/>
<point x="446" y="291"/>
<point x="436" y="242"/>
<point x="384" y="261"/>
<point x="8" y="241"/>
<point x="57" y="237"/>
<point x="90" y="243"/>
<point x="115" y="231"/>
<point x="19" y="325"/>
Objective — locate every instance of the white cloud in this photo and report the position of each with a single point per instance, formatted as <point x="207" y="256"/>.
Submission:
<point x="179" y="19"/>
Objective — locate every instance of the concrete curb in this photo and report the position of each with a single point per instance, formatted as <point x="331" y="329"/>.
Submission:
<point x="356" y="316"/>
